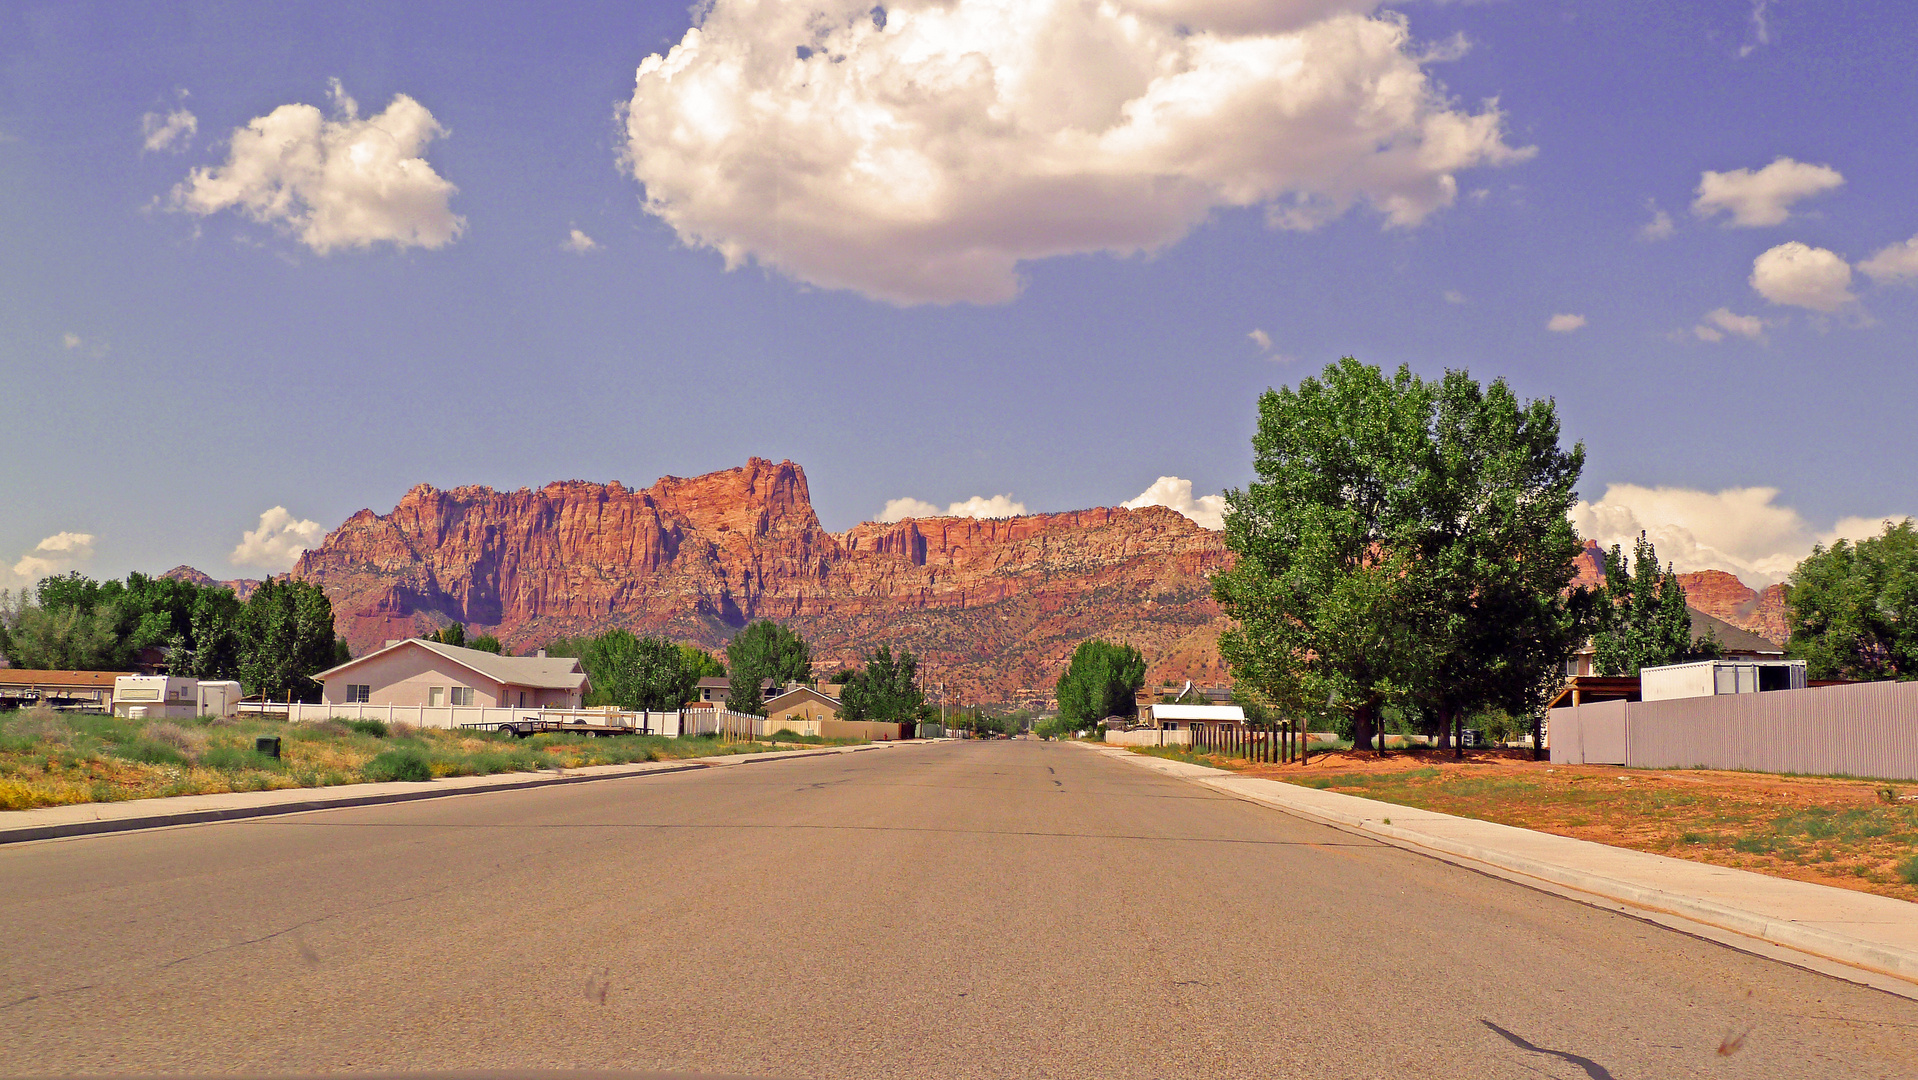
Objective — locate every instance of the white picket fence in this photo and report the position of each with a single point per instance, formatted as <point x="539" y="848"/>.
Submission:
<point x="678" y="722"/>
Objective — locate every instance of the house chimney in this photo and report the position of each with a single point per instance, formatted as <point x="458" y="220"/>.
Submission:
<point x="540" y="653"/>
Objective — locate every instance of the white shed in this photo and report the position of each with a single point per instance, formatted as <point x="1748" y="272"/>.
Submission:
<point x="1709" y="678"/>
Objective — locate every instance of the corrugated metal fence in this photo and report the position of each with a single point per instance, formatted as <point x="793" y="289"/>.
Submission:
<point x="1870" y="729"/>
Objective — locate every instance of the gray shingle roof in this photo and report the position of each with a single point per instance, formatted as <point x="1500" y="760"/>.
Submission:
<point x="535" y="672"/>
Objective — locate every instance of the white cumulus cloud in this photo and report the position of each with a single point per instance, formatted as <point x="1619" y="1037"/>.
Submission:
<point x="1721" y="321"/>
<point x="168" y="131"/>
<point x="344" y="182"/>
<point x="71" y="340"/>
<point x="918" y="153"/>
<point x="1564" y="323"/>
<point x="1799" y="275"/>
<point x="1895" y="264"/>
<point x="276" y="545"/>
<point x="1660" y="227"/>
<point x="579" y="243"/>
<point x="1743" y="531"/>
<point x="997" y="506"/>
<point x="1175" y="493"/>
<point x="1262" y="339"/>
<point x="1765" y="197"/>
<point x="57" y="554"/>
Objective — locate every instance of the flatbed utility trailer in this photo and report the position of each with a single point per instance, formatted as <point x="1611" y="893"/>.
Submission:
<point x="527" y="727"/>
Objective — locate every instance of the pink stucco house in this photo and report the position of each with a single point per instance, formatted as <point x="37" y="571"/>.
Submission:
<point x="419" y="672"/>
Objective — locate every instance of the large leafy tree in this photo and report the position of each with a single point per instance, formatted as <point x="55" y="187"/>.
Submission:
<point x="764" y="650"/>
<point x="1328" y="541"/>
<point x="1405" y="544"/>
<point x="286" y="637"/>
<point x="885" y="689"/>
<point x="1642" y="617"/>
<point x="1854" y="607"/>
<point x="1497" y="614"/>
<point x="1102" y="679"/>
<point x="700" y="664"/>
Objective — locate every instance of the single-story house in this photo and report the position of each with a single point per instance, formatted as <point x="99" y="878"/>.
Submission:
<point x="419" y="672"/>
<point x="799" y="708"/>
<point x="1192" y="717"/>
<point x="83" y="689"/>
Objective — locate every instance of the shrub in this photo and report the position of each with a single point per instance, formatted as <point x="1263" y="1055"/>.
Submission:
<point x="375" y="728"/>
<point x="187" y="741"/>
<point x="403" y="763"/>
<point x="1908" y="871"/>
<point x="148" y="752"/>
<point x="239" y="759"/>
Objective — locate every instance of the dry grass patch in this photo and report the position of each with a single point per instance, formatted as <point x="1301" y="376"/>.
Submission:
<point x="1854" y="834"/>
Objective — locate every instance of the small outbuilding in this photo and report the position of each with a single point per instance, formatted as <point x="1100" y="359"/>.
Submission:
<point x="800" y="710"/>
<point x="417" y="672"/>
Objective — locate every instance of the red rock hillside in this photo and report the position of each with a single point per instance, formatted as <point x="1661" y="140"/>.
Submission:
<point x="1714" y="592"/>
<point x="242" y="587"/>
<point x="993" y="607"/>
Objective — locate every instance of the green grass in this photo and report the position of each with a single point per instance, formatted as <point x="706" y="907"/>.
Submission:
<point x="49" y="758"/>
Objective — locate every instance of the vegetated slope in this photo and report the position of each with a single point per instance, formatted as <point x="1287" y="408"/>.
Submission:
<point x="994" y="607"/>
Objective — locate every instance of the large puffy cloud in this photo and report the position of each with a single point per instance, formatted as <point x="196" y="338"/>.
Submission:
<point x="919" y="152"/>
<point x="1803" y="276"/>
<point x="1894" y="264"/>
<point x="1740" y="530"/>
<point x="344" y="182"/>
<point x="276" y="545"/>
<point x="57" y="554"/>
<point x="997" y="506"/>
<point x="1175" y="493"/>
<point x="1765" y="197"/>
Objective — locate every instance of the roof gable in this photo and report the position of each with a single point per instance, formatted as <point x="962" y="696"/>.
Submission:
<point x="798" y="694"/>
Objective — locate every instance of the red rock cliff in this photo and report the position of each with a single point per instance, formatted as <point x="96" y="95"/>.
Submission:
<point x="993" y="606"/>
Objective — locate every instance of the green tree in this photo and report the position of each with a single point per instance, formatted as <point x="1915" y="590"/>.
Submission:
<point x="285" y="638"/>
<point x="451" y="634"/>
<point x="1102" y="679"/>
<point x="764" y="650"/>
<point x="1327" y="540"/>
<point x="487" y="643"/>
<point x="885" y="689"/>
<point x="65" y="638"/>
<point x="1642" y="618"/>
<point x="1854" y="607"/>
<point x="700" y="663"/>
<point x="1491" y="590"/>
<point x="211" y="647"/>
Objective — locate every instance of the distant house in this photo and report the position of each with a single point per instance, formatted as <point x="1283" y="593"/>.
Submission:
<point x="419" y="672"/>
<point x="713" y="691"/>
<point x="1192" y="717"/>
<point x="1738" y="644"/>
<point x="799" y="708"/>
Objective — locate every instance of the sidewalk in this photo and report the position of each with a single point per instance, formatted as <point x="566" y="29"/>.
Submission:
<point x="1877" y="934"/>
<point x="80" y="819"/>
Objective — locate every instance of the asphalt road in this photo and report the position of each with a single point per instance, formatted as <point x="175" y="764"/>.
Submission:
<point x="1003" y="909"/>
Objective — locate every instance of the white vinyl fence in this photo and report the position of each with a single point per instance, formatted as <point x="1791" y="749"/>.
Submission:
<point x="1150" y="737"/>
<point x="678" y="722"/>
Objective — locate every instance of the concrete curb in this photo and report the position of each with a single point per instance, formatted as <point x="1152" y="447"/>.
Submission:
<point x="290" y="802"/>
<point x="1877" y="957"/>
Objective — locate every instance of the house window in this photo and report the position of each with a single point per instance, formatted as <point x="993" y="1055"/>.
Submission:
<point x="435" y="696"/>
<point x="358" y="693"/>
<point x="462" y="695"/>
<point x="522" y="699"/>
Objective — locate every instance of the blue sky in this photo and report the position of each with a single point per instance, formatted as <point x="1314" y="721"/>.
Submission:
<point x="177" y="367"/>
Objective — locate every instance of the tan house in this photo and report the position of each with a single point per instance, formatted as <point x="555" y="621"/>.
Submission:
<point x="416" y="672"/>
<point x="801" y="709"/>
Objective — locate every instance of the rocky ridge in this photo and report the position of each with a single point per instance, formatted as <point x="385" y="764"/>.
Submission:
<point x="993" y="607"/>
<point x="1714" y="592"/>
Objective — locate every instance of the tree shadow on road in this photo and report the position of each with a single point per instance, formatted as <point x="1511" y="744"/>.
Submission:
<point x="1592" y="1068"/>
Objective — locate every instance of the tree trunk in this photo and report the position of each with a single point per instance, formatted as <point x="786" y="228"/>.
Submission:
<point x="1458" y="737"/>
<point x="1362" y="728"/>
<point x="1444" y="731"/>
<point x="1538" y="737"/>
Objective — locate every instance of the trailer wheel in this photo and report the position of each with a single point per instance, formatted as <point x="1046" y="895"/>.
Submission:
<point x="508" y="729"/>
